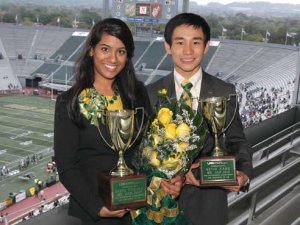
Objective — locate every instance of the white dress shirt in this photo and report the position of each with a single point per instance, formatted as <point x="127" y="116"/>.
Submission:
<point x="196" y="80"/>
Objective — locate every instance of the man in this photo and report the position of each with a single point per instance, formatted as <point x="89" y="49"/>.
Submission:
<point x="187" y="40"/>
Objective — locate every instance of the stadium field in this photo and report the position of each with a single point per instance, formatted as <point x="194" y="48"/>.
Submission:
<point x="26" y="141"/>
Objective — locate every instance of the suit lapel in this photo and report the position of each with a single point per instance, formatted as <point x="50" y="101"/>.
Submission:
<point x="206" y="87"/>
<point x="204" y="90"/>
<point x="169" y="84"/>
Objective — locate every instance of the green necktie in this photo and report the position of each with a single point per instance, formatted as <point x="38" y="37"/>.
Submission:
<point x="186" y="96"/>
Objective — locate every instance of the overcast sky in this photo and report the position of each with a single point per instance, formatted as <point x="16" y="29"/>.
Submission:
<point x="204" y="2"/>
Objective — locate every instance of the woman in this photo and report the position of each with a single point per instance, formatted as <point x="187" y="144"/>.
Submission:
<point x="105" y="79"/>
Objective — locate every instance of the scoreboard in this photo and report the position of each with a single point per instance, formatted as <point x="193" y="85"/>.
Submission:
<point x="145" y="11"/>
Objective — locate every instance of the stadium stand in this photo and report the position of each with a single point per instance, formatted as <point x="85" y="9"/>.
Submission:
<point x="246" y="58"/>
<point x="45" y="69"/>
<point x="140" y="48"/>
<point x="67" y="49"/>
<point x="154" y="49"/>
<point x="8" y="80"/>
<point x="28" y="47"/>
<point x="39" y="41"/>
<point x="63" y="75"/>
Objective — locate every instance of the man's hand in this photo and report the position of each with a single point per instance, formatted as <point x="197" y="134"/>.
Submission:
<point x="105" y="212"/>
<point x="190" y="178"/>
<point x="241" y="179"/>
<point x="172" y="186"/>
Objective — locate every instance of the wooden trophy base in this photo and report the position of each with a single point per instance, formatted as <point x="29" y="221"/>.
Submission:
<point x="218" y="171"/>
<point x="127" y="192"/>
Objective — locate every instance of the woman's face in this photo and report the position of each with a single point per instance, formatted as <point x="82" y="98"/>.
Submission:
<point x="109" y="57"/>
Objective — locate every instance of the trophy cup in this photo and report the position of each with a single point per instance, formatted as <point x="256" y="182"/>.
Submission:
<point x="121" y="188"/>
<point x="218" y="169"/>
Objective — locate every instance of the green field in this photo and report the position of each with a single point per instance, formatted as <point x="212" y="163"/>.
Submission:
<point x="26" y="128"/>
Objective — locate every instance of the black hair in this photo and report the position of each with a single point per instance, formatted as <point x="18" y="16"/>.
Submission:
<point x="189" y="19"/>
<point x="84" y="66"/>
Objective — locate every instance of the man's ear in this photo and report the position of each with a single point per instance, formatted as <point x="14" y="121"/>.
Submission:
<point x="167" y="47"/>
<point x="206" y="47"/>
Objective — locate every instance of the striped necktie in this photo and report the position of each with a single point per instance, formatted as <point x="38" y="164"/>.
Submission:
<point x="186" y="96"/>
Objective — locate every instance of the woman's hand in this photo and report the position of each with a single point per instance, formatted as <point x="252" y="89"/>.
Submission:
<point x="105" y="212"/>
<point x="172" y="186"/>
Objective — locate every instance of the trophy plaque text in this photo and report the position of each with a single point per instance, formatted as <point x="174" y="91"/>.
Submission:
<point x="121" y="188"/>
<point x="217" y="169"/>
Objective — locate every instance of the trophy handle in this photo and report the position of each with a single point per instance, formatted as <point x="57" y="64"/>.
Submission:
<point x="236" y="104"/>
<point x="140" y="129"/>
<point x="97" y="125"/>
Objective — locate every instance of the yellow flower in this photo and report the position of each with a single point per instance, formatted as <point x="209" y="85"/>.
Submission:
<point x="155" y="123"/>
<point x="181" y="147"/>
<point x="162" y="92"/>
<point x="153" y="160"/>
<point x="147" y="150"/>
<point x="156" y="139"/>
<point x="183" y="130"/>
<point x="86" y="100"/>
<point x="172" y="163"/>
<point x="170" y="130"/>
<point x="165" y="115"/>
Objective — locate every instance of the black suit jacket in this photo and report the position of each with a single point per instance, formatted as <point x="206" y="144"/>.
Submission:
<point x="80" y="153"/>
<point x="208" y="205"/>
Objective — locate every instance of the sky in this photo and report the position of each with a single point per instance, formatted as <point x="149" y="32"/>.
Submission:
<point x="204" y="2"/>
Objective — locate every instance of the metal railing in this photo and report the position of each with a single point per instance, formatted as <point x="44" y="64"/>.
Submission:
<point x="18" y="165"/>
<point x="287" y="138"/>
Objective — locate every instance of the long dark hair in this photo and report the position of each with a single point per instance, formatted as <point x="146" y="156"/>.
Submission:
<point x="84" y="66"/>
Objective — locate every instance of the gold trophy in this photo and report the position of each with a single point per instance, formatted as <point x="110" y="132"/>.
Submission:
<point x="218" y="169"/>
<point x="121" y="188"/>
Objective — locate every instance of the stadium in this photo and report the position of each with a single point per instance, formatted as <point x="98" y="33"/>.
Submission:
<point x="37" y="64"/>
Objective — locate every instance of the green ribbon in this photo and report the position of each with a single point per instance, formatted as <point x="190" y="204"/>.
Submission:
<point x="161" y="208"/>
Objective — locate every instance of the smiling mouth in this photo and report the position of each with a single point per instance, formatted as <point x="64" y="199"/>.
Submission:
<point x="110" y="67"/>
<point x="187" y="60"/>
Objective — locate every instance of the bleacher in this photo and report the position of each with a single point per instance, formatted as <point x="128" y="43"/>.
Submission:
<point x="167" y="64"/>
<point x="156" y="49"/>
<point x="45" y="69"/>
<point x="17" y="40"/>
<point x="246" y="59"/>
<point x="75" y="56"/>
<point x="8" y="80"/>
<point x="27" y="47"/>
<point x="63" y="75"/>
<point x="68" y="48"/>
<point x="48" y="40"/>
<point x="23" y="68"/>
<point x="32" y="41"/>
<point x="140" y="47"/>
<point x="237" y="53"/>
<point x="276" y="75"/>
<point x="214" y="45"/>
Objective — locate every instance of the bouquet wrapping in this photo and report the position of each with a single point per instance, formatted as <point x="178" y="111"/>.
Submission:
<point x="173" y="139"/>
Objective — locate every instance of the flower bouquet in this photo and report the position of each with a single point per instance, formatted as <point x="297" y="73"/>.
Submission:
<point x="172" y="141"/>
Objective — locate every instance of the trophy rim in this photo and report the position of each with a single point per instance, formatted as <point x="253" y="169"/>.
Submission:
<point x="120" y="111"/>
<point x="214" y="99"/>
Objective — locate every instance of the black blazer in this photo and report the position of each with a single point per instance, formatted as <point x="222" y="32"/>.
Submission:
<point x="81" y="152"/>
<point x="208" y="205"/>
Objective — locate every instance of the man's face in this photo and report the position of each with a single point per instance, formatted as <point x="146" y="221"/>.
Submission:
<point x="187" y="49"/>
